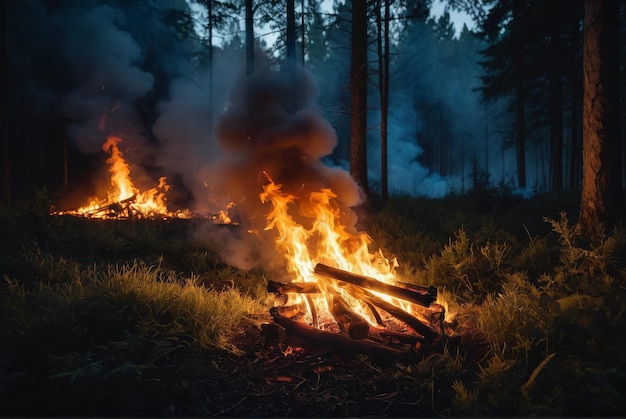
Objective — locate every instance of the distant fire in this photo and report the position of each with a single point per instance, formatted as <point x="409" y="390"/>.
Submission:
<point x="123" y="199"/>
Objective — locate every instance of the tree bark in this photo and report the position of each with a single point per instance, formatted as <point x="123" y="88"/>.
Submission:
<point x="303" y="43"/>
<point x="210" y="27"/>
<point x="290" y="62"/>
<point x="602" y="174"/>
<point x="383" y="79"/>
<point x="249" y="37"/>
<point x="556" y="114"/>
<point x="358" y="86"/>
<point x="575" y="119"/>
<point x="520" y="103"/>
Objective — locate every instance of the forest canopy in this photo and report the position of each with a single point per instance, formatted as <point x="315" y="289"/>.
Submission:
<point x="499" y="104"/>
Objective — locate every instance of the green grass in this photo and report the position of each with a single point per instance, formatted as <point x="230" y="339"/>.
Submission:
<point x="138" y="319"/>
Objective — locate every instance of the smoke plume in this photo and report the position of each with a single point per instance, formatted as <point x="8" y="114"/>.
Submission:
<point x="264" y="140"/>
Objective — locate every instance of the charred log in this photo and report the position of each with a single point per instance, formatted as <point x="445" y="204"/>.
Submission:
<point x="293" y="312"/>
<point x="349" y="322"/>
<point x="423" y="298"/>
<point x="376" y="314"/>
<point x="419" y="288"/>
<point x="337" y="342"/>
<point x="293" y="288"/>
<point x="117" y="208"/>
<point x="312" y="309"/>
<point x="372" y="302"/>
<point x="410" y="320"/>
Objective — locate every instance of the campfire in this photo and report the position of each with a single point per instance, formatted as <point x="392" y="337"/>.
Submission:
<point x="341" y="296"/>
<point x="124" y="200"/>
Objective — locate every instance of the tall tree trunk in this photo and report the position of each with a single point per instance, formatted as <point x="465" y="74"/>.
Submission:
<point x="4" y="96"/>
<point x="303" y="43"/>
<point x="383" y="89"/>
<point x="602" y="175"/>
<point x="249" y="37"/>
<point x="556" y="126"/>
<point x="520" y="131"/>
<point x="575" y="98"/>
<point x="358" y="86"/>
<point x="291" y="31"/>
<point x="385" y="107"/>
<point x="575" y="155"/>
<point x="290" y="63"/>
<point x="520" y="104"/>
<point x="210" y="24"/>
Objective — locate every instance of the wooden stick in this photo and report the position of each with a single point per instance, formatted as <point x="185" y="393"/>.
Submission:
<point x="294" y="311"/>
<point x="349" y="322"/>
<point x="419" y="288"/>
<point x="312" y="310"/>
<point x="115" y="206"/>
<point x="424" y="299"/>
<point x="396" y="312"/>
<point x="379" y="319"/>
<point x="311" y="288"/>
<point x="293" y="288"/>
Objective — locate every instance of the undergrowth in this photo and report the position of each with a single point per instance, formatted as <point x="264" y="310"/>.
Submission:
<point x="137" y="318"/>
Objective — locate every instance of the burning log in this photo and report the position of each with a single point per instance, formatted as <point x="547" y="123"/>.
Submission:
<point x="421" y="298"/>
<point x="396" y="312"/>
<point x="293" y="288"/>
<point x="421" y="289"/>
<point x="349" y="322"/>
<point x="116" y="208"/>
<point x="292" y="312"/>
<point x="336" y="342"/>
<point x="312" y="309"/>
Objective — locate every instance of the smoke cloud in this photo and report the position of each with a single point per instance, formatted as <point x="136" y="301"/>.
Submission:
<point x="104" y="65"/>
<point x="263" y="139"/>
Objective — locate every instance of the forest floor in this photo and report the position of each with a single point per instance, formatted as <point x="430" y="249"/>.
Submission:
<point x="140" y="318"/>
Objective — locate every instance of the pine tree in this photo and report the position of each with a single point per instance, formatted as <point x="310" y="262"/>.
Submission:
<point x="602" y="173"/>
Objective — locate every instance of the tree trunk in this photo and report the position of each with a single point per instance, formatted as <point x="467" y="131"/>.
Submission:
<point x="556" y="125"/>
<point x="381" y="40"/>
<point x="602" y="176"/>
<point x="303" y="43"/>
<point x="358" y="86"/>
<point x="291" y="31"/>
<point x="384" y="108"/>
<point x="210" y="27"/>
<point x="520" y="119"/>
<point x="4" y="95"/>
<point x="575" y="118"/>
<point x="290" y="62"/>
<point x="249" y="37"/>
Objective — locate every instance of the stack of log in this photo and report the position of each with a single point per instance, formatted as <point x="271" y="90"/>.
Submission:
<point x="391" y="337"/>
<point x="120" y="209"/>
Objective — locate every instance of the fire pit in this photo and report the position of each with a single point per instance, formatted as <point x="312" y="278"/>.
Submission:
<point x="356" y="305"/>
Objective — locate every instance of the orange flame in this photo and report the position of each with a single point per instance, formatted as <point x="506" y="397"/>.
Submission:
<point x="150" y="203"/>
<point x="326" y="241"/>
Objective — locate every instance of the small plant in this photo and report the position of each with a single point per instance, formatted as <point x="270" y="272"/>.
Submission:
<point x="465" y="401"/>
